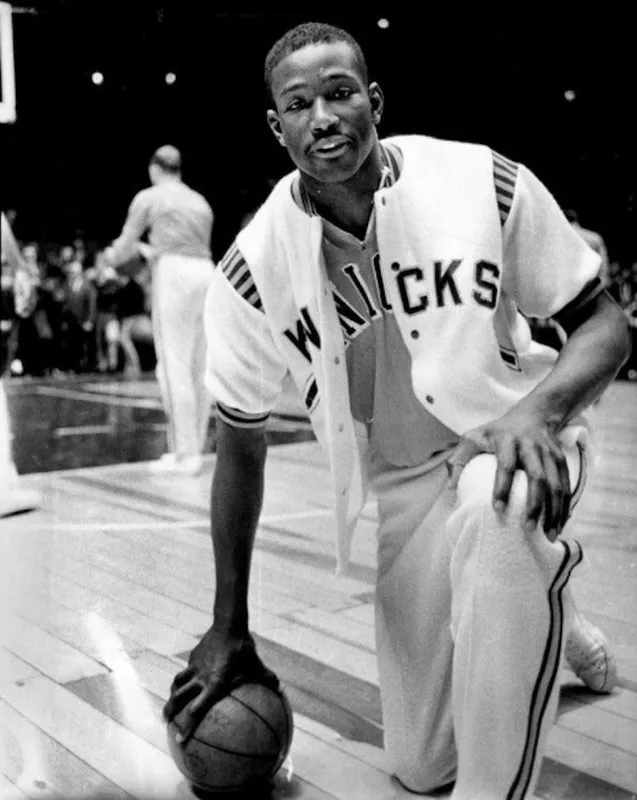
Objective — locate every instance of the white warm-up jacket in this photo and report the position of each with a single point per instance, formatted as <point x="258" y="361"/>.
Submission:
<point x="470" y="244"/>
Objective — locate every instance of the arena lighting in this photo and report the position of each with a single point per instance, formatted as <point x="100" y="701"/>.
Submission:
<point x="383" y="23"/>
<point x="170" y="78"/>
<point x="569" y="95"/>
<point x="97" y="78"/>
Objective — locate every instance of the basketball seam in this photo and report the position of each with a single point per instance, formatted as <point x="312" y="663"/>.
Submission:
<point x="234" y="752"/>
<point x="264" y="721"/>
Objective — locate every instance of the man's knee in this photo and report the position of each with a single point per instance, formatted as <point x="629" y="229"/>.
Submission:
<point x="476" y="486"/>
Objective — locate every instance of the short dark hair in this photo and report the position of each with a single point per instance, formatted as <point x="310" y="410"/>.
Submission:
<point x="168" y="158"/>
<point x="306" y="34"/>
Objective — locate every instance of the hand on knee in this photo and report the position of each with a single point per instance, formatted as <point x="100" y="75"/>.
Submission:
<point x="497" y="453"/>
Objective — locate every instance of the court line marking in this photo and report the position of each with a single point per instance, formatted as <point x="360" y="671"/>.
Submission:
<point x="175" y="525"/>
<point x="81" y="430"/>
<point x="135" y="466"/>
<point x="281" y="421"/>
<point x="74" y="394"/>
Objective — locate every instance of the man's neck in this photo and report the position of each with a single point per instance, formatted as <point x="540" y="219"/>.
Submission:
<point x="349" y="204"/>
<point x="167" y="178"/>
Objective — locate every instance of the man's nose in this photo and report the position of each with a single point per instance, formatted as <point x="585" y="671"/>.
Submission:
<point x="323" y="118"/>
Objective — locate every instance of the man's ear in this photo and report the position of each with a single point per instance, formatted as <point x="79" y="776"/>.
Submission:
<point x="275" y="126"/>
<point x="377" y="101"/>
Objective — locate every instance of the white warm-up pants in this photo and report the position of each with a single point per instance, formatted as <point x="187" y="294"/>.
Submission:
<point x="179" y="287"/>
<point x="471" y="616"/>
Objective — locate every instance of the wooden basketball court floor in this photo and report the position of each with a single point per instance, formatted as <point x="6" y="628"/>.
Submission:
<point x="106" y="588"/>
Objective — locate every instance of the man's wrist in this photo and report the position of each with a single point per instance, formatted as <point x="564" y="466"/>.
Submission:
<point x="231" y="625"/>
<point x="547" y="411"/>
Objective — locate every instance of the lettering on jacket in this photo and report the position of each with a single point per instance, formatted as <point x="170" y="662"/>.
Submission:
<point x="419" y="292"/>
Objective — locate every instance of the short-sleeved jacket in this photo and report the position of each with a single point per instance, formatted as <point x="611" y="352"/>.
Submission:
<point x="470" y="244"/>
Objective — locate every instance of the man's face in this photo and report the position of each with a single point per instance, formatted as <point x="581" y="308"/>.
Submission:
<point x="74" y="270"/>
<point x="66" y="254"/>
<point x="30" y="253"/>
<point x="325" y="114"/>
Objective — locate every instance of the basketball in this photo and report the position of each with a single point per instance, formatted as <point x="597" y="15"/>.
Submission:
<point x="241" y="742"/>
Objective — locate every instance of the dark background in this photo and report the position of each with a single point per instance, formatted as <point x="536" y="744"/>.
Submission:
<point x="78" y="152"/>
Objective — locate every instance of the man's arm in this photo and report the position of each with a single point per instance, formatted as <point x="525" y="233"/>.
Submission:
<point x="226" y="655"/>
<point x="126" y="244"/>
<point x="598" y="344"/>
<point x="237" y="498"/>
<point x="526" y="436"/>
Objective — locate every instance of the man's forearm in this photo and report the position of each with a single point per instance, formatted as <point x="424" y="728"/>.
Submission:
<point x="237" y="496"/>
<point x="595" y="350"/>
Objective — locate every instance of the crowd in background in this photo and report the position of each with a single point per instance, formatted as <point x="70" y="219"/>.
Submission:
<point x="88" y="317"/>
<point x="91" y="318"/>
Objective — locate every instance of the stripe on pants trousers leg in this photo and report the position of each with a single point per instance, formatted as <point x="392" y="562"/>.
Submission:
<point x="548" y="672"/>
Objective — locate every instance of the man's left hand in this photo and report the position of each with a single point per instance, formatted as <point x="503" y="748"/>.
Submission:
<point x="521" y="441"/>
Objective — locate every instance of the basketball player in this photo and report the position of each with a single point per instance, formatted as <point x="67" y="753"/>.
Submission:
<point x="388" y="277"/>
<point x="19" y="295"/>
<point x="179" y="221"/>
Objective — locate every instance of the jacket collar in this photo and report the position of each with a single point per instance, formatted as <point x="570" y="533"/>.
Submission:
<point x="392" y="164"/>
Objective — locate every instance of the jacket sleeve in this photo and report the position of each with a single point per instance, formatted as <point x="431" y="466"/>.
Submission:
<point x="546" y="264"/>
<point x="244" y="367"/>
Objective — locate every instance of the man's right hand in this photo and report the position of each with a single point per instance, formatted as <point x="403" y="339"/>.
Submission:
<point x="217" y="665"/>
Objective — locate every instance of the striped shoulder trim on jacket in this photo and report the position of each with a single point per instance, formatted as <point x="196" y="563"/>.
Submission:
<point x="240" y="419"/>
<point x="234" y="267"/>
<point x="505" y="173"/>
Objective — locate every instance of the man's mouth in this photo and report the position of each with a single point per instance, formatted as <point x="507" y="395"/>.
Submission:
<point x="330" y="148"/>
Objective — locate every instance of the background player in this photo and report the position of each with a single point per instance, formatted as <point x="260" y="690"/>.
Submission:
<point x="391" y="278"/>
<point x="179" y="221"/>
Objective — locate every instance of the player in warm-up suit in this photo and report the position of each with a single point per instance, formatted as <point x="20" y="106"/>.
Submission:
<point x="179" y="221"/>
<point x="390" y="278"/>
<point x="19" y="295"/>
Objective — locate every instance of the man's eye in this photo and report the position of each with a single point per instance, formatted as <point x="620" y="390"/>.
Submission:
<point x="342" y="93"/>
<point x="296" y="105"/>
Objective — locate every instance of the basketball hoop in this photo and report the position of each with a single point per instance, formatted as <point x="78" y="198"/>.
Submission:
<point x="7" y="72"/>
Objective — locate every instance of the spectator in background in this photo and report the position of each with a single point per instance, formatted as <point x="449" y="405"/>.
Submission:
<point x="79" y="250"/>
<point x="108" y="285"/>
<point x="35" y="334"/>
<point x="19" y="293"/>
<point x="78" y="318"/>
<point x="135" y="320"/>
<point x="65" y="256"/>
<point x="51" y="304"/>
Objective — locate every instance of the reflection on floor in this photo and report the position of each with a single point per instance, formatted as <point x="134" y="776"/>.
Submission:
<point x="107" y="587"/>
<point x="89" y="421"/>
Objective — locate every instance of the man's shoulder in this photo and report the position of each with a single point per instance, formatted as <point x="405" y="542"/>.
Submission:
<point x="144" y="197"/>
<point x="193" y="192"/>
<point x="420" y="143"/>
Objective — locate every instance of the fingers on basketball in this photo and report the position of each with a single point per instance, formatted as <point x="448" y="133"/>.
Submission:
<point x="242" y="741"/>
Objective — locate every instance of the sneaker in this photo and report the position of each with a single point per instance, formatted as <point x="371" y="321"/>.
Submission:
<point x="15" y="501"/>
<point x="170" y="464"/>
<point x="589" y="656"/>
